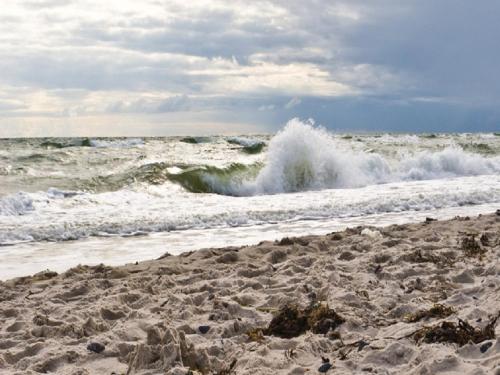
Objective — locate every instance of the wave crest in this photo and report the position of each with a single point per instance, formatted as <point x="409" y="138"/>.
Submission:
<point x="209" y="179"/>
<point x="249" y="145"/>
<point x="303" y="157"/>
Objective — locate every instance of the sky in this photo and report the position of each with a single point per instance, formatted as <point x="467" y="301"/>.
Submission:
<point x="168" y="67"/>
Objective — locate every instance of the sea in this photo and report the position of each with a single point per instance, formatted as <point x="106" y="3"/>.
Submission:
<point x="70" y="201"/>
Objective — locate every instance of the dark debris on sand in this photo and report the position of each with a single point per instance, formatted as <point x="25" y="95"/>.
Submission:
<point x="291" y="321"/>
<point x="436" y="311"/>
<point x="459" y="333"/>
<point x="287" y="241"/>
<point x="423" y="256"/>
<point x="471" y="246"/>
<point x="96" y="347"/>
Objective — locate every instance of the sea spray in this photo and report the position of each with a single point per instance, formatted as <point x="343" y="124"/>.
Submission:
<point x="450" y="162"/>
<point x="16" y="204"/>
<point x="302" y="157"/>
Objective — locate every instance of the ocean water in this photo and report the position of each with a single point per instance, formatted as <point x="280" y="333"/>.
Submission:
<point x="70" y="201"/>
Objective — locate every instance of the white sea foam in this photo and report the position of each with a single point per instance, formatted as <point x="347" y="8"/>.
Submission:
<point x="120" y="143"/>
<point x="401" y="139"/>
<point x="451" y="162"/>
<point x="106" y="214"/>
<point x="244" y="141"/>
<point x="302" y="157"/>
<point x="16" y="204"/>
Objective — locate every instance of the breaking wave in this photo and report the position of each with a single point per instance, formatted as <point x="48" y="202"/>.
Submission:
<point x="250" y="145"/>
<point x="195" y="140"/>
<point x="302" y="157"/>
<point x="208" y="179"/>
<point x="152" y="174"/>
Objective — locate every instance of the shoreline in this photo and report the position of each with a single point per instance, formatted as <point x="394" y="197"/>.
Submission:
<point x="209" y="311"/>
<point x="61" y="256"/>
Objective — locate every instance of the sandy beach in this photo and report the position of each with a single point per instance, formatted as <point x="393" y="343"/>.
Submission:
<point x="405" y="299"/>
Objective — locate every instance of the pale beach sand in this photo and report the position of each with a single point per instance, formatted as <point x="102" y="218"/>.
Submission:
<point x="201" y="312"/>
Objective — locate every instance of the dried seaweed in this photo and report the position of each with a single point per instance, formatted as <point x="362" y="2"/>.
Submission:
<point x="485" y="239"/>
<point x="471" y="247"/>
<point x="420" y="256"/>
<point x="335" y="236"/>
<point x="291" y="321"/>
<point x="436" y="311"/>
<point x="256" y="334"/>
<point x="460" y="333"/>
<point x="321" y="319"/>
<point x="287" y="241"/>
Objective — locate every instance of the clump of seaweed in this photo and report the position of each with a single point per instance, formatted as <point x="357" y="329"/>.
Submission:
<point x="291" y="321"/>
<point x="321" y="319"/>
<point x="471" y="247"/>
<point x="485" y="239"/>
<point x="255" y="334"/>
<point x="436" y="311"/>
<point x="459" y="333"/>
<point x="420" y="256"/>
<point x="335" y="236"/>
<point x="286" y="241"/>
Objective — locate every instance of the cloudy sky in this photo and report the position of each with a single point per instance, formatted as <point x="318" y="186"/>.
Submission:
<point x="159" y="67"/>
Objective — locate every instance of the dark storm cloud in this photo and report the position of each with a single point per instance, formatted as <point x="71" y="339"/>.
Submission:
<point x="360" y="64"/>
<point x="450" y="47"/>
